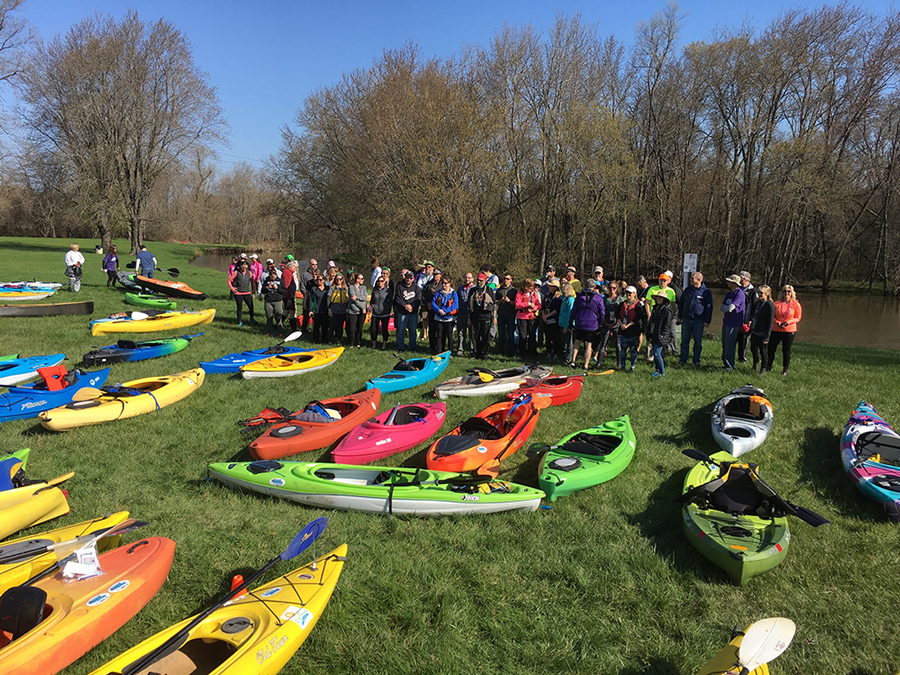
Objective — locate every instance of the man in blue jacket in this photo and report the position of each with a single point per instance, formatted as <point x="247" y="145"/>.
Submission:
<point x="694" y="314"/>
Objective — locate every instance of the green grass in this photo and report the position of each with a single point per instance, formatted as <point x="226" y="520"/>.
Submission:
<point x="603" y="582"/>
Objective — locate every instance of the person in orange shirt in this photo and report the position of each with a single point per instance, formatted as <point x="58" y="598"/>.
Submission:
<point x="787" y="315"/>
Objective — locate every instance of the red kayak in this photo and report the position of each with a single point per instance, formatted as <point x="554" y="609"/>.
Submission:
<point x="391" y="432"/>
<point x="318" y="425"/>
<point x="559" y="389"/>
<point x="172" y="289"/>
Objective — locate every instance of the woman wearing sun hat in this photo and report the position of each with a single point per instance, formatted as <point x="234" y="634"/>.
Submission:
<point x="733" y="310"/>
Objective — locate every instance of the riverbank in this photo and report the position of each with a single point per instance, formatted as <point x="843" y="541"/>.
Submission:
<point x="602" y="582"/>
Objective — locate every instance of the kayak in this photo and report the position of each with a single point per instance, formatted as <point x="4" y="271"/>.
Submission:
<point x="12" y="469"/>
<point x="870" y="454"/>
<point x="32" y="285"/>
<point x="22" y="296"/>
<point x="231" y="363"/>
<point x="377" y="489"/>
<point x="741" y="421"/>
<point x="560" y="389"/>
<point x="172" y="289"/>
<point x="14" y="371"/>
<point x="390" y="433"/>
<point x="152" y="322"/>
<point x="484" y="440"/>
<point x="79" y="615"/>
<point x="411" y="373"/>
<point x="587" y="458"/>
<point x="318" y="425"/>
<point x="27" y="556"/>
<point x="31" y="505"/>
<point x="48" y="309"/>
<point x="57" y="389"/>
<point x="256" y="633"/>
<point x="126" y="350"/>
<point x="285" y="365"/>
<point x="9" y="357"/>
<point x="737" y="526"/>
<point x="724" y="662"/>
<point x="151" y="301"/>
<point x="483" y="382"/>
<point x="127" y="280"/>
<point x="120" y="401"/>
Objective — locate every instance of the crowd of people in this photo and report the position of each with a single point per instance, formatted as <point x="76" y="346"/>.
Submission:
<point x="572" y="321"/>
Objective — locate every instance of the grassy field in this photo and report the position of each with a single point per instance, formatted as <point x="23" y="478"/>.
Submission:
<point x="602" y="582"/>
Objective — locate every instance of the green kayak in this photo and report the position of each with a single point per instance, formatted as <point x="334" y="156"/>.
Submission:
<point x="152" y="301"/>
<point x="12" y="467"/>
<point x="733" y="518"/>
<point x="377" y="489"/>
<point x="9" y="357"/>
<point x="587" y="458"/>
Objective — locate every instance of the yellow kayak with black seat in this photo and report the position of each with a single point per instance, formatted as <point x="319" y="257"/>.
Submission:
<point x="284" y="365"/>
<point x="128" y="399"/>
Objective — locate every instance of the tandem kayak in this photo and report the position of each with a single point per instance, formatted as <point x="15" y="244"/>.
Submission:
<point x="127" y="350"/>
<point x="391" y="432"/>
<point x="560" y="389"/>
<point x="120" y="401"/>
<point x="149" y="323"/>
<point x="587" y="458"/>
<point x="410" y="373"/>
<point x="13" y="371"/>
<point x="318" y="425"/>
<point x="295" y="363"/>
<point x="48" y="309"/>
<point x="172" y="289"/>
<point x="870" y="454"/>
<point x="377" y="489"/>
<point x="151" y="301"/>
<point x="483" y="382"/>
<point x="53" y="390"/>
<point x="231" y="363"/>
<point x="741" y="421"/>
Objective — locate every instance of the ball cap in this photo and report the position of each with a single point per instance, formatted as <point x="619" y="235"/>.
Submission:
<point x="570" y="268"/>
<point x="482" y="276"/>
<point x="598" y="269"/>
<point x="630" y="289"/>
<point x="254" y="256"/>
<point x="289" y="257"/>
<point x="270" y="262"/>
<point x="745" y="275"/>
<point x="667" y="274"/>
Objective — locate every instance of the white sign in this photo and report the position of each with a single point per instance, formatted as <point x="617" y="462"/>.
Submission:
<point x="690" y="266"/>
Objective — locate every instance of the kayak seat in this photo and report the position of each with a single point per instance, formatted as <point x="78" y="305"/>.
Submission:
<point x="21" y="610"/>
<point x="263" y="466"/>
<point x="876" y="443"/>
<point x="277" y="349"/>
<point x="596" y="445"/>
<point x="452" y="445"/>
<point x="127" y="344"/>
<point x="414" y="365"/>
<point x="739" y="495"/>
<point x="54" y="377"/>
<point x="478" y="427"/>
<point x="408" y="415"/>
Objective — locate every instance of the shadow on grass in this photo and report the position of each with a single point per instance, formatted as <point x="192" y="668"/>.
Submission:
<point x="695" y="433"/>
<point x="653" y="667"/>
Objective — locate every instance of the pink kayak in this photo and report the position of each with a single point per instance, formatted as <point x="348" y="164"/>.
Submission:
<point x="393" y="431"/>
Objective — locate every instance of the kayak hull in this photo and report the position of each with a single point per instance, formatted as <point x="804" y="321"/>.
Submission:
<point x="870" y="455"/>
<point x="126" y="350"/>
<point x="502" y="382"/>
<point x="13" y="371"/>
<point x="159" y="322"/>
<point x="742" y="420"/>
<point x="172" y="289"/>
<point x="231" y="363"/>
<point x="411" y="373"/>
<point x="29" y="400"/>
<point x="375" y="439"/>
<point x="30" y="505"/>
<point x="560" y="389"/>
<point x="152" y="301"/>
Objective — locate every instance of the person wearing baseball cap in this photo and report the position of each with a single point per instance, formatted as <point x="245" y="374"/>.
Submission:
<point x="752" y="302"/>
<point x="662" y="330"/>
<point x="482" y="310"/>
<point x="733" y="309"/>
<point x="665" y="279"/>
<point x="407" y="299"/>
<point x="570" y="277"/>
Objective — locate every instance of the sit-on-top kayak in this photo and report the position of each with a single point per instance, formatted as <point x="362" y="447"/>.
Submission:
<point x="587" y="458"/>
<point x="12" y="469"/>
<point x="870" y="454"/>
<point x="411" y="373"/>
<point x="484" y="440"/>
<point x="14" y="371"/>
<point x="127" y="280"/>
<point x="391" y="432"/>
<point x="173" y="289"/>
<point x="377" y="489"/>
<point x="742" y="420"/>
<point x="318" y="425"/>
<point x="31" y="285"/>
<point x="24" y="296"/>
<point x="560" y="389"/>
<point x="151" y="301"/>
<point x="256" y="633"/>
<point x="127" y="350"/>
<point x="79" y="615"/>
<point x="56" y="388"/>
<point x="285" y="365"/>
<point x="31" y="505"/>
<point x="231" y="363"/>
<point x="483" y="382"/>
<point x="150" y="323"/>
<point x="128" y="399"/>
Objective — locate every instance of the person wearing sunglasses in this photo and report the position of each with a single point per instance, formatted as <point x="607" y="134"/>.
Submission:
<point x="787" y="315"/>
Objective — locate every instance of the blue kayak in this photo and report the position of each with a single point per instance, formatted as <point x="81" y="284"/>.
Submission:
<point x="127" y="350"/>
<point x="20" y="403"/>
<point x="231" y="363"/>
<point x="408" y="374"/>
<point x="12" y="469"/>
<point x="13" y="371"/>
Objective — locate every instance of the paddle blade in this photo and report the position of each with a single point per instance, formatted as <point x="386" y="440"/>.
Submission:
<point x="605" y="372"/>
<point x="536" y="449"/>
<point x="131" y="265"/>
<point x="292" y="336"/>
<point x="86" y="394"/>
<point x="485" y="377"/>
<point x="305" y="538"/>
<point x="764" y="641"/>
<point x="174" y="271"/>
<point x="809" y="516"/>
<point x="693" y="453"/>
<point x="139" y="316"/>
<point x="541" y="402"/>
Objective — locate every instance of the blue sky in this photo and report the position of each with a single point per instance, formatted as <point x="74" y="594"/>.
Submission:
<point x="266" y="56"/>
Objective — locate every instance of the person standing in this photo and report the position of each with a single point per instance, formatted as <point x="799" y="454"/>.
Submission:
<point x="749" y="312"/>
<point x="289" y="283"/>
<point x="145" y="263"/>
<point x="549" y="317"/>
<point x="382" y="301"/>
<point x="318" y="310"/>
<point x="787" y="315"/>
<point x="528" y="304"/>
<point x="307" y="282"/>
<point x="543" y="288"/>
<point x="74" y="261"/>
<point x="424" y="277"/>
<point x="357" y="306"/>
<point x="463" y="333"/>
<point x="110" y="265"/>
<point x="241" y="284"/>
<point x="428" y="292"/>
<point x="482" y="308"/>
<point x="444" y="308"/>
<point x="733" y="309"/>
<point x="270" y="267"/>
<point x="257" y="271"/>
<point x="761" y="328"/>
<point x="376" y="271"/>
<point x="338" y="299"/>
<point x="567" y="303"/>
<point x="273" y="302"/>
<point x="570" y="277"/>
<point x="589" y="315"/>
<point x="630" y="315"/>
<point x="662" y="331"/>
<point x="694" y="314"/>
<point x="407" y="299"/>
<point x="505" y="296"/>
<point x="665" y="278"/>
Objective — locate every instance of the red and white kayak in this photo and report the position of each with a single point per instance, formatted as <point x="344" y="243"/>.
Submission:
<point x="391" y="432"/>
<point x="559" y="389"/>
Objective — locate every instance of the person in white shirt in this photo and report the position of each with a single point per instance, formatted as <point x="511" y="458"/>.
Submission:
<point x="74" y="261"/>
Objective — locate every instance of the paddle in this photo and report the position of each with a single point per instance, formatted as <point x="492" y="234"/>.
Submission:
<point x="492" y="466"/>
<point x="605" y="372"/>
<point x="171" y="271"/>
<point x="86" y="394"/>
<point x="300" y="543"/>
<point x="139" y="316"/>
<point x="764" y="641"/>
<point x="390" y="419"/>
<point x="24" y="554"/>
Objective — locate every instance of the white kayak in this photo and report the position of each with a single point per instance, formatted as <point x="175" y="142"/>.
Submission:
<point x="742" y="420"/>
<point x="484" y="382"/>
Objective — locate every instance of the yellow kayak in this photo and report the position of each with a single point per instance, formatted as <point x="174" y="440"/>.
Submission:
<point x="256" y="634"/>
<point x="724" y="662"/>
<point x="150" y="324"/>
<point x="31" y="505"/>
<point x="21" y="559"/>
<point x="283" y="365"/>
<point x="124" y="400"/>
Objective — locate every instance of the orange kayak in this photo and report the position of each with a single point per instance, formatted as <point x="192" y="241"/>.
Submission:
<point x="71" y="617"/>
<point x="307" y="429"/>
<point x="560" y="389"/>
<point x="482" y="441"/>
<point x="173" y="289"/>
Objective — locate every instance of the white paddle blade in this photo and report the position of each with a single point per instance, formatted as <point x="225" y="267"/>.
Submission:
<point x="139" y="316"/>
<point x="765" y="640"/>
<point x="293" y="336"/>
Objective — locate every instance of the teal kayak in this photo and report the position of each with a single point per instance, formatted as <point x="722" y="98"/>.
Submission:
<point x="152" y="301"/>
<point x="409" y="374"/>
<point x="127" y="350"/>
<point x="587" y="458"/>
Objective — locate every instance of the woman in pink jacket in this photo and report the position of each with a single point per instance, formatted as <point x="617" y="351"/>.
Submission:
<point x="528" y="305"/>
<point x="787" y="315"/>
